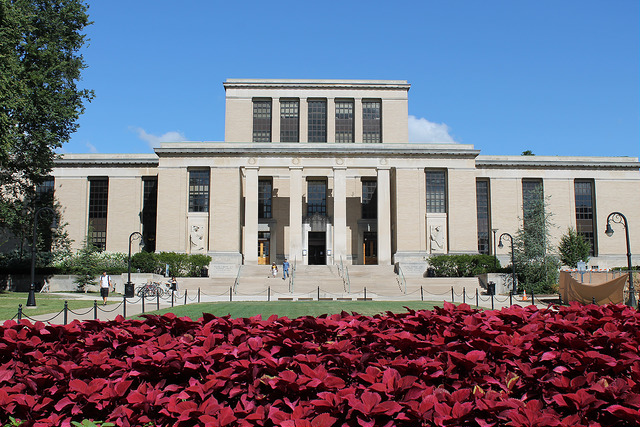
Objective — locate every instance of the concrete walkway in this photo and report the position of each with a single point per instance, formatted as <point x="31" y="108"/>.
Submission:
<point x="133" y="306"/>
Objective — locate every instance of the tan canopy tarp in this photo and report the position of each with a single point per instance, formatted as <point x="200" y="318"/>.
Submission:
<point x="603" y="292"/>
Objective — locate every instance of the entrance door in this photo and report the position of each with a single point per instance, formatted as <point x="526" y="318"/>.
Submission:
<point x="370" y="248"/>
<point x="317" y="248"/>
<point x="263" y="248"/>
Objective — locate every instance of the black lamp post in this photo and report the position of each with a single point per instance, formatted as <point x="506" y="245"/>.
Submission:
<point x="128" y="287"/>
<point x="495" y="250"/>
<point x="513" y="263"/>
<point x="621" y="219"/>
<point x="31" y="299"/>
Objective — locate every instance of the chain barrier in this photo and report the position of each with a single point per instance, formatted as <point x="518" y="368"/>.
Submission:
<point x="25" y="316"/>
<point x="110" y="311"/>
<point x="80" y="314"/>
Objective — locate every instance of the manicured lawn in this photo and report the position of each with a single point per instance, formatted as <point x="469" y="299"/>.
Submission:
<point x="294" y="309"/>
<point x="45" y="303"/>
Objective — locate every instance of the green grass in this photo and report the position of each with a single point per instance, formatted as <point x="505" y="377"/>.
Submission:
<point x="45" y="303"/>
<point x="293" y="309"/>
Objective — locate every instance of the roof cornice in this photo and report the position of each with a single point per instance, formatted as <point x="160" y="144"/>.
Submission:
<point x="556" y="162"/>
<point x="221" y="149"/>
<point x="315" y="84"/>
<point x="111" y="160"/>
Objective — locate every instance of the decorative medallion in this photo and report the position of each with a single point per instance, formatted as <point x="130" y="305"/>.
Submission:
<point x="339" y="161"/>
<point x="295" y="161"/>
<point x="252" y="160"/>
<point x="384" y="161"/>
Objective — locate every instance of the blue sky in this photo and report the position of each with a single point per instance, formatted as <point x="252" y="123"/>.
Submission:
<point x="555" y="77"/>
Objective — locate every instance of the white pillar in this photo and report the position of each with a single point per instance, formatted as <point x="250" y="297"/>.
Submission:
<point x="251" y="216"/>
<point x="384" y="217"/>
<point x="295" y="214"/>
<point x="339" y="214"/>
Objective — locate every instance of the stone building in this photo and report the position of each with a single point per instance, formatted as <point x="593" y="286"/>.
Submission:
<point x="321" y="172"/>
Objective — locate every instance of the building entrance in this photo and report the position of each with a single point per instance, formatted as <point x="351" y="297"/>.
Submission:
<point x="370" y="248"/>
<point x="317" y="248"/>
<point x="263" y="248"/>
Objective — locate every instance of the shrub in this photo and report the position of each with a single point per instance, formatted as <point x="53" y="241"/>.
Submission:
<point x="573" y="248"/>
<point x="184" y="265"/>
<point x="463" y="265"/>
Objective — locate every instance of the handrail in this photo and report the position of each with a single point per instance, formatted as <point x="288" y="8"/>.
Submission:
<point x="293" y="274"/>
<point x="237" y="281"/>
<point x="340" y="269"/>
<point x="402" y="279"/>
<point x="346" y="279"/>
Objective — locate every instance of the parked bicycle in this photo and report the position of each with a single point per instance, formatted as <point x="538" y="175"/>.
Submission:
<point x="152" y="289"/>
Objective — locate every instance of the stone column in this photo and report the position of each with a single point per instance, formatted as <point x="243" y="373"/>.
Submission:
<point x="275" y="120"/>
<point x="295" y="214"/>
<point x="250" y="234"/>
<point x="339" y="214"/>
<point x="384" y="217"/>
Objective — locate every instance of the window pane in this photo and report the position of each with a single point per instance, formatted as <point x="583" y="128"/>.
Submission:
<point x="289" y="120"/>
<point x="584" y="212"/>
<point x="149" y="213"/>
<point x="436" y="192"/>
<point x="369" y="200"/>
<point x="482" y="205"/>
<point x="98" y="200"/>
<point x="317" y="121"/>
<point x="344" y="121"/>
<point x="371" y="123"/>
<point x="316" y="197"/>
<point x="264" y="198"/>
<point x="199" y="190"/>
<point x="262" y="121"/>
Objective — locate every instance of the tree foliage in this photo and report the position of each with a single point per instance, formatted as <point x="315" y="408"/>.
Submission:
<point x="536" y="265"/>
<point x="573" y="248"/>
<point x="40" y="101"/>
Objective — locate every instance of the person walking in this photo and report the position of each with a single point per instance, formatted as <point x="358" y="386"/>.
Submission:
<point x="274" y="270"/>
<point x="105" y="285"/>
<point x="285" y="269"/>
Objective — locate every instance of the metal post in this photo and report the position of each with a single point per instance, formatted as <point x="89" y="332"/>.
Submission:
<point x="593" y="300"/>
<point x="172" y="297"/>
<point x="157" y="301"/>
<point x="269" y="293"/>
<point x="318" y="293"/>
<point x="124" y="306"/>
<point x="491" y="301"/>
<point x="477" y="299"/>
<point x="31" y="299"/>
<point x="230" y="293"/>
<point x="495" y="252"/>
<point x="560" y="299"/>
<point x="452" y="296"/>
<point x="128" y="287"/>
<point x="621" y="219"/>
<point x="421" y="294"/>
<point x="142" y="303"/>
<point x="95" y="309"/>
<point x="365" y="293"/>
<point x="464" y="295"/>
<point x="66" y="311"/>
<point x="198" y="294"/>
<point x="185" y="297"/>
<point x="510" y="297"/>
<point x="532" y="298"/>
<point x="19" y="312"/>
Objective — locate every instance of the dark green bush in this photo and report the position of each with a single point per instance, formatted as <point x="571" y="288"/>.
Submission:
<point x="463" y="265"/>
<point x="183" y="265"/>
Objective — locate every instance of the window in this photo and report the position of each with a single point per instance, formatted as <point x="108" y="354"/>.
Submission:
<point x="436" y="192"/>
<point x="344" y="121"/>
<point x="585" y="220"/>
<point x="316" y="197"/>
<point x="98" y="199"/>
<point x="289" y="120"/>
<point x="369" y="199"/>
<point x="199" y="190"/>
<point x="371" y="123"/>
<point x="317" y="115"/>
<point x="149" y="212"/>
<point x="482" y="208"/>
<point x="262" y="120"/>
<point x="264" y="198"/>
<point x="44" y="191"/>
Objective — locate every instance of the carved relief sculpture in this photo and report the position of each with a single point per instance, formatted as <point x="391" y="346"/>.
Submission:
<point x="436" y="237"/>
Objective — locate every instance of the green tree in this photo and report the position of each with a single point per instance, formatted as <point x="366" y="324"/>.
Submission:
<point x="536" y="265"/>
<point x="573" y="248"/>
<point x="40" y="101"/>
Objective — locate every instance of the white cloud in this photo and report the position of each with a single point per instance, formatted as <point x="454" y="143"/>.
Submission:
<point x="92" y="148"/>
<point x="154" y="140"/>
<point x="422" y="130"/>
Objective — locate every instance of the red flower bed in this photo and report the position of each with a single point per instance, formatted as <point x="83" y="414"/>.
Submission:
<point x="451" y="366"/>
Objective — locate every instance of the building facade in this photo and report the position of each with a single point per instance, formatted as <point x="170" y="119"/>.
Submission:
<point x="321" y="172"/>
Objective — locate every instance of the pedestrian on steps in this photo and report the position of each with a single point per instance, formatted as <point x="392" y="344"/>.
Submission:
<point x="285" y="269"/>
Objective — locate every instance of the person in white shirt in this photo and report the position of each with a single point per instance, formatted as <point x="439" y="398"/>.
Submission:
<point x="105" y="285"/>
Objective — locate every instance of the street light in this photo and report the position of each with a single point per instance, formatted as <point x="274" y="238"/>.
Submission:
<point x="128" y="287"/>
<point x="495" y="255"/>
<point x="513" y="263"/>
<point x="621" y="219"/>
<point x="31" y="299"/>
